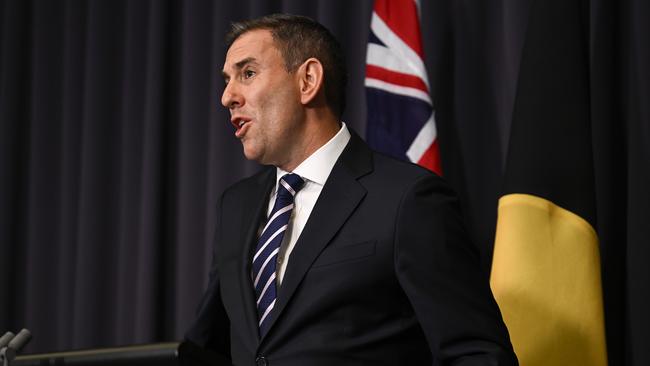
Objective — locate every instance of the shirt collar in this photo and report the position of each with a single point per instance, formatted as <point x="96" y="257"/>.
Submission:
<point x="317" y="166"/>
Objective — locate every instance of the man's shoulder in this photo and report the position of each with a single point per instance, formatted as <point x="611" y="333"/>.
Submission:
<point x="390" y="169"/>
<point x="374" y="165"/>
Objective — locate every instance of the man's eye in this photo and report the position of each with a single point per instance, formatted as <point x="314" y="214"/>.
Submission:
<point x="249" y="74"/>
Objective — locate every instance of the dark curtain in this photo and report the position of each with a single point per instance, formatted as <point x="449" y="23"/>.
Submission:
<point x="114" y="147"/>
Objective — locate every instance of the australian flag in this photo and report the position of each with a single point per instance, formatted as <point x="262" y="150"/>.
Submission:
<point x="400" y="112"/>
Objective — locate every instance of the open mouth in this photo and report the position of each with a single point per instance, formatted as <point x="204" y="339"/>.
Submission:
<point x="241" y="126"/>
<point x="239" y="122"/>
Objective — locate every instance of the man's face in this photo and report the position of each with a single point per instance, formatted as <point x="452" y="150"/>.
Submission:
<point x="263" y="99"/>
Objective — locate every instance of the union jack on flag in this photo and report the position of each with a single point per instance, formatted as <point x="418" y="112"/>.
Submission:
<point x="401" y="119"/>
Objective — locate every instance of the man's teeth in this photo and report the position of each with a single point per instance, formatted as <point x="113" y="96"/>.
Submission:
<point x="241" y="123"/>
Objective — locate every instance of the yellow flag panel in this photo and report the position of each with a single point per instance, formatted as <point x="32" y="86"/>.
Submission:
<point x="546" y="280"/>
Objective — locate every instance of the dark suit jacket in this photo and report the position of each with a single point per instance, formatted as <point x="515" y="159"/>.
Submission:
<point x="382" y="274"/>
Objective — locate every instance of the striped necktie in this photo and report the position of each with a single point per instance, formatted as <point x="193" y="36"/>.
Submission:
<point x="268" y="246"/>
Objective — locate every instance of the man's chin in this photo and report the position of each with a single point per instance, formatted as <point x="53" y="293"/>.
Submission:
<point x="252" y="154"/>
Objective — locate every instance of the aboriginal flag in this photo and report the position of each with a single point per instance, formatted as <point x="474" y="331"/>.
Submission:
<point x="546" y="273"/>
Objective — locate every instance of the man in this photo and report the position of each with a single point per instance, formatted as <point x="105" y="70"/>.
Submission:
<point x="334" y="254"/>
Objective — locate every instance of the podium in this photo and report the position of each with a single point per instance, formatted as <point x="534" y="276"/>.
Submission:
<point x="158" y="354"/>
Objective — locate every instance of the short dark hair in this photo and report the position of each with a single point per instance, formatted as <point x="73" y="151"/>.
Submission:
<point x="299" y="38"/>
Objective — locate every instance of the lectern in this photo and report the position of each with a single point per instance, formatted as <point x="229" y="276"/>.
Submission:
<point x="159" y="354"/>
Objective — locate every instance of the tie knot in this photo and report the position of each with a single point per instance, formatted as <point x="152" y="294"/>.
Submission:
<point x="290" y="184"/>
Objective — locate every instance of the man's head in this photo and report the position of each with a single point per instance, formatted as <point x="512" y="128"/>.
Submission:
<point x="278" y="71"/>
<point x="298" y="38"/>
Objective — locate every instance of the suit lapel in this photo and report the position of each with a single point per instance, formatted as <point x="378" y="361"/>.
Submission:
<point x="256" y="204"/>
<point x="340" y="196"/>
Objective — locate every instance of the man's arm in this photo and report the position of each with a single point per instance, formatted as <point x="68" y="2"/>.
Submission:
<point x="440" y="272"/>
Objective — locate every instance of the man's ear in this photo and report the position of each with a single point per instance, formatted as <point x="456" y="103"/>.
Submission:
<point x="310" y="76"/>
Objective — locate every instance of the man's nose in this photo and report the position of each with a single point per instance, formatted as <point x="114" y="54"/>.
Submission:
<point x="231" y="97"/>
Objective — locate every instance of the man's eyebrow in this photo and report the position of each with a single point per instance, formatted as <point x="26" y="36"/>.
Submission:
<point x="242" y="63"/>
<point x="239" y="65"/>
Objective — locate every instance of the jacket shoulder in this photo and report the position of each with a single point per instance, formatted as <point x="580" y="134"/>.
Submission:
<point x="401" y="173"/>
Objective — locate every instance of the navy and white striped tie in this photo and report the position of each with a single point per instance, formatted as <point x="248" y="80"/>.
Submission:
<point x="268" y="246"/>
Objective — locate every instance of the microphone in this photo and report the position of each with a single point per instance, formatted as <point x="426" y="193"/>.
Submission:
<point x="13" y="345"/>
<point x="20" y="340"/>
<point x="5" y="339"/>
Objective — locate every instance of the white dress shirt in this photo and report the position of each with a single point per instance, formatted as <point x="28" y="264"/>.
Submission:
<point x="314" y="170"/>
